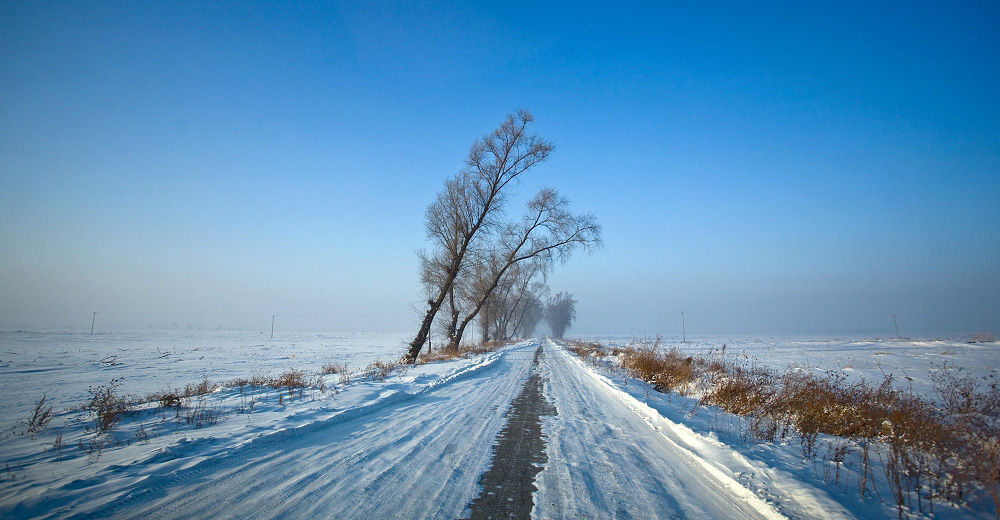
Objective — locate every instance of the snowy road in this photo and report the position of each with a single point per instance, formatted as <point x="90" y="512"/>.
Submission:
<point x="421" y="455"/>
<point x="606" y="459"/>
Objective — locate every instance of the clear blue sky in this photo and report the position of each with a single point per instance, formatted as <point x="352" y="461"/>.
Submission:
<point x="775" y="168"/>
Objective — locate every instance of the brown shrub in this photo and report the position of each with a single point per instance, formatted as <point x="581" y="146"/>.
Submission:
<point x="443" y="354"/>
<point x="585" y="349"/>
<point x="290" y="379"/>
<point x="40" y="417"/>
<point x="465" y="350"/>
<point x="202" y="388"/>
<point x="106" y="406"/>
<point x="743" y="391"/>
<point x="980" y="337"/>
<point x="334" y="368"/>
<point x="669" y="371"/>
<point x="166" y="399"/>
<point x="174" y="398"/>
<point x="380" y="370"/>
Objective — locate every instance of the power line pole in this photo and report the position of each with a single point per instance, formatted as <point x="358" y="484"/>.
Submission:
<point x="896" y="324"/>
<point x="272" y="326"/>
<point x="683" y="331"/>
<point x="92" y="321"/>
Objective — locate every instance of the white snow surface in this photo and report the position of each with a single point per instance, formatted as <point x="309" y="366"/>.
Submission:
<point x="911" y="362"/>
<point x="609" y="456"/>
<point x="64" y="364"/>
<point x="414" y="445"/>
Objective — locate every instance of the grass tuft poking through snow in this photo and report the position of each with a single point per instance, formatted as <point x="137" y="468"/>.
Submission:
<point x="463" y="351"/>
<point x="107" y="406"/>
<point x="334" y="368"/>
<point x="380" y="370"/>
<point x="40" y="417"/>
<point x="980" y="337"/>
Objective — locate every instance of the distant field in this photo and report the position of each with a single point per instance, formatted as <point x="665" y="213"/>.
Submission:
<point x="910" y="362"/>
<point x="63" y="365"/>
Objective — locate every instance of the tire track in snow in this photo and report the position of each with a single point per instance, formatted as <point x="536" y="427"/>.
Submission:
<point x="608" y="461"/>
<point x="406" y="456"/>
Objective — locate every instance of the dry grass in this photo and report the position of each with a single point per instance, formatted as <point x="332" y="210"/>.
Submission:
<point x="174" y="398"/>
<point x="291" y="379"/>
<point x="334" y="368"/>
<point x="666" y="371"/>
<point x="440" y="355"/>
<point x="202" y="415"/>
<point x="586" y="348"/>
<point x="931" y="449"/>
<point x="749" y="392"/>
<point x="980" y="337"/>
<point x="106" y="406"/>
<point x="167" y="399"/>
<point x="381" y="370"/>
<point x="490" y="346"/>
<point x="447" y="354"/>
<point x="199" y="415"/>
<point x="40" y="417"/>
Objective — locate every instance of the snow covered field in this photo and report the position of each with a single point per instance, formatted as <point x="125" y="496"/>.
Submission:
<point x="910" y="362"/>
<point x="63" y="365"/>
<point x="369" y="436"/>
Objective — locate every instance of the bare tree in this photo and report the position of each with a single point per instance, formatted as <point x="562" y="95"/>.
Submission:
<point x="560" y="313"/>
<point x="511" y="307"/>
<point x="530" y="313"/>
<point x="547" y="233"/>
<point x="471" y="205"/>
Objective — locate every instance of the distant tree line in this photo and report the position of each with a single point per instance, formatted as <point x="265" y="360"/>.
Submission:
<point x="479" y="264"/>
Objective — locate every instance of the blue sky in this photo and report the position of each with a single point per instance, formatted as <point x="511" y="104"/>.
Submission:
<point x="767" y="169"/>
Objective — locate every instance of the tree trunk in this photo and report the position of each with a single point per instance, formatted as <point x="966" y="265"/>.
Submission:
<point x="454" y="321"/>
<point x="418" y="342"/>
<point x="425" y="326"/>
<point x="459" y="332"/>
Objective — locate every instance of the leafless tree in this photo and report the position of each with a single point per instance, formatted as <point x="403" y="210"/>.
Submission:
<point x="560" y="311"/>
<point x="530" y="313"/>
<point x="471" y="206"/>
<point x="547" y="233"/>
<point x="513" y="309"/>
<point x="534" y="309"/>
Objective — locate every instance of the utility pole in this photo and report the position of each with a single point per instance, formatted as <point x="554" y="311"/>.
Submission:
<point x="896" y="324"/>
<point x="92" y="321"/>
<point x="272" y="326"/>
<point x="683" y="332"/>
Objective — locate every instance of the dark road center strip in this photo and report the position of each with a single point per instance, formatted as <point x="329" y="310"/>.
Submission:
<point x="518" y="455"/>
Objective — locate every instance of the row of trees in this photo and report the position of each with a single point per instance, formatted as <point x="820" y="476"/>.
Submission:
<point x="480" y="264"/>
<point x="516" y="309"/>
